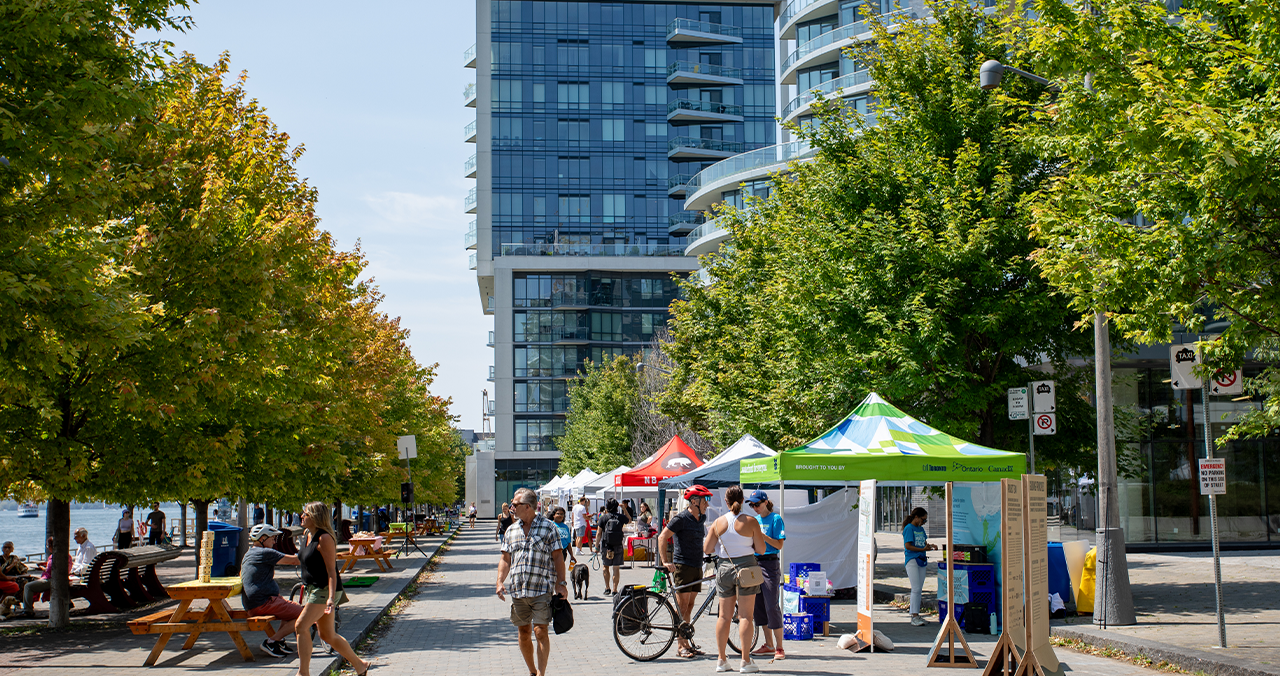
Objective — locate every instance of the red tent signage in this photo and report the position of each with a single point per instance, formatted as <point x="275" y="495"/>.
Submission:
<point x="673" y="459"/>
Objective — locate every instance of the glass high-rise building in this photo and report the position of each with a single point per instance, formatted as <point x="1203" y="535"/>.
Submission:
<point x="591" y="117"/>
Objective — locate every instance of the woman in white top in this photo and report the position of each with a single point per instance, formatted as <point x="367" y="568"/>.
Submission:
<point x="735" y="539"/>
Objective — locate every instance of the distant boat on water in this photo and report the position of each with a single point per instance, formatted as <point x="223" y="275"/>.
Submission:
<point x="28" y="510"/>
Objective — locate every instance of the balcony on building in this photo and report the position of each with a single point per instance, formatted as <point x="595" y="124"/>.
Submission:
<point x="706" y="238"/>
<point x="828" y="47"/>
<point x="469" y="134"/>
<point x="682" y="223"/>
<point x="490" y="378"/>
<point x="471" y="261"/>
<point x="685" y="32"/>
<point x="490" y="343"/>
<point x="692" y="148"/>
<point x="799" y="11"/>
<point x="469" y="95"/>
<point x="469" y="57"/>
<point x="691" y="111"/>
<point x="469" y="169"/>
<point x="676" y="185"/>
<point x="471" y="201"/>
<point x="694" y="73"/>
<point x="705" y="187"/>
<point x="470" y="237"/>
<point x="647" y="249"/>
<point x="851" y="83"/>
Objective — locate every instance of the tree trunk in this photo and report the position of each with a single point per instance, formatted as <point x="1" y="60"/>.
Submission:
<point x="242" y="520"/>
<point x="60" y="594"/>
<point x="267" y="515"/>
<point x="202" y="525"/>
<point x="182" y="524"/>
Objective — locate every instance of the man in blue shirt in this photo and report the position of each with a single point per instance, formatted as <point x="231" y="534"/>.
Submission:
<point x="768" y="612"/>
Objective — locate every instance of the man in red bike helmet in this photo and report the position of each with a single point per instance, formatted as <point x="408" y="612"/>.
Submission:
<point x="686" y="530"/>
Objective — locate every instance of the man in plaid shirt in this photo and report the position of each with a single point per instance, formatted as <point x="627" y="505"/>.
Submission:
<point x="531" y="559"/>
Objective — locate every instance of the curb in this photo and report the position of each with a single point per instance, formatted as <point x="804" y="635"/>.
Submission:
<point x="331" y="669"/>
<point x="1185" y="658"/>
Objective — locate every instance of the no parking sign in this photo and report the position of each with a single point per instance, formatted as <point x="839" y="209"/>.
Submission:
<point x="1044" y="423"/>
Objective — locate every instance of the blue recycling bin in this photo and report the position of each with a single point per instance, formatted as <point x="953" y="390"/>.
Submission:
<point x="226" y="540"/>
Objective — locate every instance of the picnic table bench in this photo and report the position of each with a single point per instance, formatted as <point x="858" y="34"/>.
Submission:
<point x="216" y="617"/>
<point x="124" y="578"/>
<point x="364" y="547"/>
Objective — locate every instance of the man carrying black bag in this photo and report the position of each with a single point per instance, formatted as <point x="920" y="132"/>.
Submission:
<point x="609" y="540"/>
<point x="532" y="571"/>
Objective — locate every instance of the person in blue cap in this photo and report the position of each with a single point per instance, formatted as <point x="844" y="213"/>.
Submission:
<point x="768" y="612"/>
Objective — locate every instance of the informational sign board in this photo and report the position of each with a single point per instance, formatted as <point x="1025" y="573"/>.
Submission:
<point x="1018" y="404"/>
<point x="1011" y="549"/>
<point x="1183" y="360"/>
<point x="1227" y="384"/>
<point x="1213" y="476"/>
<point x="866" y="561"/>
<point x="1044" y="423"/>
<point x="1035" y="533"/>
<point x="1043" y="397"/>
<point x="408" y="447"/>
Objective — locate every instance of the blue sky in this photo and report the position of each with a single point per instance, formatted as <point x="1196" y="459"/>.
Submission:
<point x="374" y="92"/>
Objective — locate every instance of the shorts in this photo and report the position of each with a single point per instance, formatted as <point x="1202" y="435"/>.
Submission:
<point x="281" y="607"/>
<point x="534" y="610"/>
<point x="611" y="556"/>
<point x="727" y="585"/>
<point x="691" y="575"/>
<point x="313" y="594"/>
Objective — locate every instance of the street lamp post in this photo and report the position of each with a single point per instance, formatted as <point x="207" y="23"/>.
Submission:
<point x="1113" y="599"/>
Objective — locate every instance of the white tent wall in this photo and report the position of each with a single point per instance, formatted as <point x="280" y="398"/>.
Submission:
<point x="825" y="533"/>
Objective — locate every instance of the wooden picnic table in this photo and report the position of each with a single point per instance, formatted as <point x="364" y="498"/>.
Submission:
<point x="216" y="616"/>
<point x="382" y="557"/>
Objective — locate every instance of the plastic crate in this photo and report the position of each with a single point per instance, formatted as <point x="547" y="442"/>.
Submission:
<point x="797" y="627"/>
<point x="959" y="613"/>
<point x="799" y="570"/>
<point x="817" y="606"/>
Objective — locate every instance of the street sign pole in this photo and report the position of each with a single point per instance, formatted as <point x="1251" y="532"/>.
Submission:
<point x="1031" y="444"/>
<point x="1213" y="515"/>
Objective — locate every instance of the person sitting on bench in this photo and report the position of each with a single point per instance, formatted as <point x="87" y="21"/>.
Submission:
<point x="36" y="587"/>
<point x="261" y="594"/>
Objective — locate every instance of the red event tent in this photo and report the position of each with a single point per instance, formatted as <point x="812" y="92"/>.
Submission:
<point x="673" y="459"/>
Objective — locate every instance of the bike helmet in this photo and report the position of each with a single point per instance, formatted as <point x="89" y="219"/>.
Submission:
<point x="697" y="491"/>
<point x="263" y="530"/>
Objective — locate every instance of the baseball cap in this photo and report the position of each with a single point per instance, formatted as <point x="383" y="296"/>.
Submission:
<point x="758" y="497"/>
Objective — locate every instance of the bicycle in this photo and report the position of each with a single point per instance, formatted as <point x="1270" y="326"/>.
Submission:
<point x="296" y="593"/>
<point x="648" y="623"/>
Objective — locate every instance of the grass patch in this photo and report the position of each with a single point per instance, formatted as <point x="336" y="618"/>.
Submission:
<point x="1115" y="654"/>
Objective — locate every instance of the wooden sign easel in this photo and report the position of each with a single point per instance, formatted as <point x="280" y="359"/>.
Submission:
<point x="1039" y="659"/>
<point x="1006" y="659"/>
<point x="950" y="632"/>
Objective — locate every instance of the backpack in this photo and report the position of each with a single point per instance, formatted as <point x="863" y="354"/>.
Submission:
<point x="630" y="609"/>
<point x="613" y="531"/>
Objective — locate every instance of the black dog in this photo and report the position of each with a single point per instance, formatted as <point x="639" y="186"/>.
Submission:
<point x="581" y="578"/>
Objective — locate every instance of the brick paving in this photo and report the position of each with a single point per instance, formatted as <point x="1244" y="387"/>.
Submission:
<point x="456" y="625"/>
<point x="101" y="645"/>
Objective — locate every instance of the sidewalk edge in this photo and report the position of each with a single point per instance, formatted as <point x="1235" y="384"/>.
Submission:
<point x="1186" y="658"/>
<point x="331" y="669"/>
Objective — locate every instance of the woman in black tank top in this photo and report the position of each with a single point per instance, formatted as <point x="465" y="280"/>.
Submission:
<point x="322" y="589"/>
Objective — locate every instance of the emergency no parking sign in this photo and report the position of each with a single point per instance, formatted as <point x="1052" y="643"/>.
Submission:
<point x="1044" y="423"/>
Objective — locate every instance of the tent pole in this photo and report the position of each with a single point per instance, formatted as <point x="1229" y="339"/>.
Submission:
<point x="782" y="511"/>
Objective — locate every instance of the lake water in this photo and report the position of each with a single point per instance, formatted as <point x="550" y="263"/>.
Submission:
<point x="28" y="534"/>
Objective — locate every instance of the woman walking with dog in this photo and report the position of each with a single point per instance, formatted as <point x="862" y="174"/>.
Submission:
<point x="736" y="539"/>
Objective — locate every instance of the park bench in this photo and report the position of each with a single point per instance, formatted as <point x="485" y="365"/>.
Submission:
<point x="124" y="578"/>
<point x="217" y="616"/>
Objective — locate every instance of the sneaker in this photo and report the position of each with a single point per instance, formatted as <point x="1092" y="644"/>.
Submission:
<point x="608" y="592"/>
<point x="284" y="647"/>
<point x="723" y="666"/>
<point x="779" y="655"/>
<point x="763" y="650"/>
<point x="749" y="668"/>
<point x="917" y="621"/>
<point x="269" y="647"/>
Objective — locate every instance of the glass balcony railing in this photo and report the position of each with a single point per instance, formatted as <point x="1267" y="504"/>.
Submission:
<point x="703" y="230"/>
<point x="470" y="132"/>
<point x="704" y="107"/>
<point x="469" y="56"/>
<point x="703" y="27"/>
<point x="843" y="33"/>
<point x="469" y="92"/>
<point x="695" y="68"/>
<point x="705" y="144"/>
<point x="678" y="181"/>
<point x="850" y="80"/>
<point x="792" y="9"/>
<point x="592" y="249"/>
<point x="470" y="166"/>
<point x="490" y="373"/>
<point x="470" y="238"/>
<point x="490" y="343"/>
<point x="471" y="261"/>
<point x="687" y="218"/>
<point x="471" y="199"/>
<point x="750" y="161"/>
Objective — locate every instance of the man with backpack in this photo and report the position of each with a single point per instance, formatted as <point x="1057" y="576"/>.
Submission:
<point x="609" y="540"/>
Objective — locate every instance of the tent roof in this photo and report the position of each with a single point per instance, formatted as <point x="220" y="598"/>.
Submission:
<point x="721" y="470"/>
<point x="603" y="481"/>
<point x="578" y="480"/>
<point x="674" y="458"/>
<point x="879" y="441"/>
<point x="554" y="484"/>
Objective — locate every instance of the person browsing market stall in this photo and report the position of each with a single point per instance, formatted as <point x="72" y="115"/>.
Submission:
<point x="768" y="609"/>
<point x="916" y="543"/>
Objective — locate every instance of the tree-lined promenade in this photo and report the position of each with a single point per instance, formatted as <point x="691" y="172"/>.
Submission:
<point x="174" y="323"/>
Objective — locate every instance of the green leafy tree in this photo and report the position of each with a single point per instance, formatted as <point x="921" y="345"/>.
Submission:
<point x="896" y="261"/>
<point x="1166" y="211"/>
<point x="600" y="427"/>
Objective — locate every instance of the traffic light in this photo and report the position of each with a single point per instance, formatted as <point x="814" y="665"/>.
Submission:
<point x="406" y="492"/>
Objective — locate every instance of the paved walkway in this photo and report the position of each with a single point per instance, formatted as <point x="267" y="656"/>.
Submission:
<point x="101" y="645"/>
<point x="457" y="625"/>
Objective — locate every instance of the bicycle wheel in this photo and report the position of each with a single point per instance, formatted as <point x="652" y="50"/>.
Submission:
<point x="644" y="626"/>
<point x="733" y="637"/>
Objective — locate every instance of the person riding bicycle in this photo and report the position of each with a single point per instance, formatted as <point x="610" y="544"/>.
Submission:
<point x="261" y="594"/>
<point x="686" y="530"/>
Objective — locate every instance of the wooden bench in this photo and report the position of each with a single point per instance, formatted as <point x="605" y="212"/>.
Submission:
<point x="124" y="578"/>
<point x="217" y="616"/>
